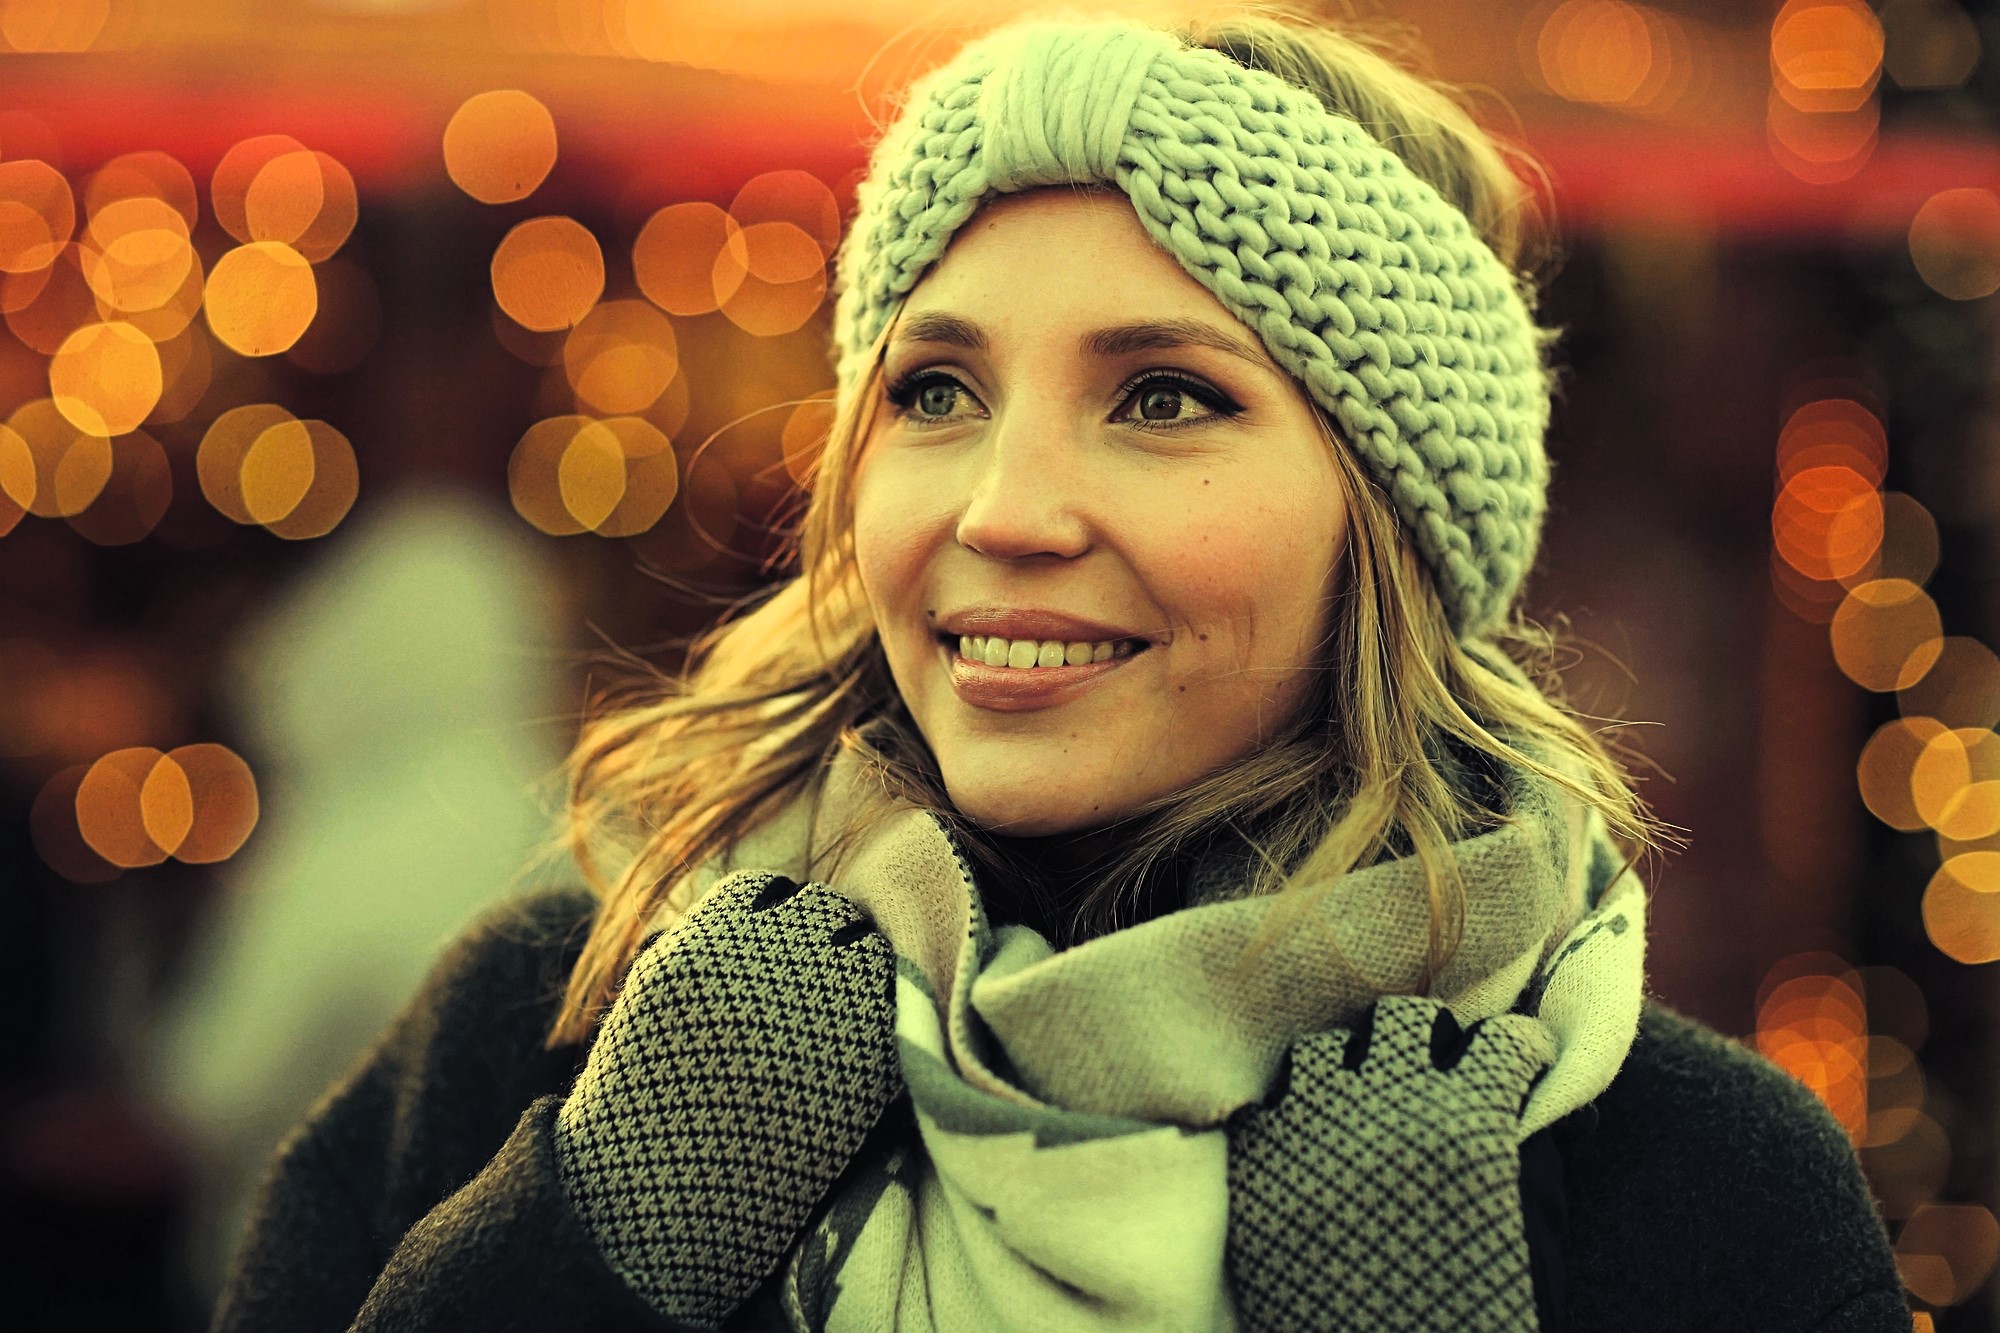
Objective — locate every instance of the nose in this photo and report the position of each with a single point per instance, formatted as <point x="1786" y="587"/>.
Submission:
<point x="1028" y="491"/>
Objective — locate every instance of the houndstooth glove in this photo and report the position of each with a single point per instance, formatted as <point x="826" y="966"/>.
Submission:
<point x="747" y="1057"/>
<point x="1378" y="1186"/>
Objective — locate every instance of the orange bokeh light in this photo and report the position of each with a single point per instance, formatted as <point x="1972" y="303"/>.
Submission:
<point x="105" y="378"/>
<point x="260" y="298"/>
<point x="37" y="214"/>
<point x="150" y="174"/>
<point x="547" y="273"/>
<point x="500" y="146"/>
<point x="675" y="257"/>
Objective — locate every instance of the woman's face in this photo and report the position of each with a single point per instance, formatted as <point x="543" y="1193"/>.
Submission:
<point x="1073" y="426"/>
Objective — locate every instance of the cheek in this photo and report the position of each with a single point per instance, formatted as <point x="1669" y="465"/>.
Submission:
<point x="1252" y="584"/>
<point x="888" y="546"/>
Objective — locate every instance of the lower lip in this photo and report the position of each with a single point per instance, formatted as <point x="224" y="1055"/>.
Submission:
<point x="1018" y="689"/>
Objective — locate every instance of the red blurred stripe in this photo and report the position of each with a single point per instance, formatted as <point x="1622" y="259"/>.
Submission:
<point x="684" y="146"/>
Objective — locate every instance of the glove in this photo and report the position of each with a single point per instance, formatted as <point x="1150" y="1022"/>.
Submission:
<point x="742" y="1065"/>
<point x="1378" y="1186"/>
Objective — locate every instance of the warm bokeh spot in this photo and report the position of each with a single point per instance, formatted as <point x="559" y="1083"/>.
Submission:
<point x="1887" y="764"/>
<point x="260" y="298"/>
<point x="229" y="186"/>
<point x="46" y="306"/>
<point x="168" y="319"/>
<point x="675" y="257"/>
<point x="135" y="496"/>
<point x="1826" y="55"/>
<point x="1946" y="1251"/>
<point x="105" y="378"/>
<point x="652" y="478"/>
<point x="621" y="357"/>
<point x="136" y="806"/>
<point x="305" y="200"/>
<point x="1962" y="908"/>
<point x="1909" y="548"/>
<point x="150" y="174"/>
<point x="1827" y="522"/>
<point x="797" y="197"/>
<point x="219" y="460"/>
<point x="1962" y="688"/>
<point x="1833" y="432"/>
<point x="37" y="214"/>
<point x="1955" y="243"/>
<point x="1610" y="53"/>
<point x="1886" y="634"/>
<point x="299" y="478"/>
<point x="223" y="802"/>
<point x="572" y="474"/>
<point x="500" y="146"/>
<point x="139" y="254"/>
<point x="109" y="812"/>
<point x="71" y="465"/>
<point x="1955" y="783"/>
<point x="547" y="273"/>
<point x="1813" y="1023"/>
<point x="277" y="471"/>
<point x="769" y="278"/>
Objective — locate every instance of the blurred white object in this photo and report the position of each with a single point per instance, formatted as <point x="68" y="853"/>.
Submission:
<point x="399" y="705"/>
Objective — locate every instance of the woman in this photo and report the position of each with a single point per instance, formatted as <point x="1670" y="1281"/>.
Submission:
<point x="1124" y="882"/>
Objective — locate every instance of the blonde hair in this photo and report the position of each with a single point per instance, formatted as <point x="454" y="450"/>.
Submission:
<point x="674" y="770"/>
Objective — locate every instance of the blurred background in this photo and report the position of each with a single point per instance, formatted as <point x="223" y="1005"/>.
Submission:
<point x="374" y="371"/>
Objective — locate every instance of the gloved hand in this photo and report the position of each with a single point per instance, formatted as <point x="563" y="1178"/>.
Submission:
<point x="1378" y="1186"/>
<point x="746" y="1058"/>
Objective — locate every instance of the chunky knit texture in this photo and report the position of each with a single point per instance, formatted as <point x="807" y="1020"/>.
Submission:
<point x="1361" y="280"/>
<point x="743" y="1064"/>
<point x="1429" y="1114"/>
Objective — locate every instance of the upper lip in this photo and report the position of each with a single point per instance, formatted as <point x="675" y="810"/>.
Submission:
<point x="1026" y="622"/>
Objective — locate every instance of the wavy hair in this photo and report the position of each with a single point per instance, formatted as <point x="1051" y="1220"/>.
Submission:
<point x="670" y="771"/>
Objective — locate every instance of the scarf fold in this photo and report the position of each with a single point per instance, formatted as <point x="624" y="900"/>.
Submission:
<point x="1067" y="1168"/>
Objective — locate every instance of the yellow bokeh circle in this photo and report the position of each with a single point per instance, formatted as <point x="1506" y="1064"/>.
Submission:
<point x="105" y="378"/>
<point x="260" y="298"/>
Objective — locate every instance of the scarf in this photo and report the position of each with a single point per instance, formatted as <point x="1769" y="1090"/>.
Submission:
<point x="1067" y="1166"/>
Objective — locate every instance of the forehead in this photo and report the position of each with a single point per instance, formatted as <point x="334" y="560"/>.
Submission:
<point x="1048" y="255"/>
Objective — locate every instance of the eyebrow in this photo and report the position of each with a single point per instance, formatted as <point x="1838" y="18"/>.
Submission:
<point x="1119" y="340"/>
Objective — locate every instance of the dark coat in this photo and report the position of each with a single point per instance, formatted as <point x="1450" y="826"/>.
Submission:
<point x="1713" y="1191"/>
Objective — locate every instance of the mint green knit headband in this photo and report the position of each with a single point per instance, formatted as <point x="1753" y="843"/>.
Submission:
<point x="1363" y="283"/>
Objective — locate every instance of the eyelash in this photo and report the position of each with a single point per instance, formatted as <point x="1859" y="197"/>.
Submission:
<point x="902" y="394"/>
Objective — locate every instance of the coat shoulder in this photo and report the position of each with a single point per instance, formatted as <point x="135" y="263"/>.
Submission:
<point x="1715" y="1185"/>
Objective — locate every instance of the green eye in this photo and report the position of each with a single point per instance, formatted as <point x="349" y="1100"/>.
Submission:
<point x="936" y="398"/>
<point x="1161" y="404"/>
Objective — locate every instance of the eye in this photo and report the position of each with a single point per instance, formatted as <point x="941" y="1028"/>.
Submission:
<point x="1164" y="401"/>
<point x="928" y="396"/>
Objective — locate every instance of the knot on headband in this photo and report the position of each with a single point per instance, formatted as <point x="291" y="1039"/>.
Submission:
<point x="1055" y="112"/>
<point x="1364" y="284"/>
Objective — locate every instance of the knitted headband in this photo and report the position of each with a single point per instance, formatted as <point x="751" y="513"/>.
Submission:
<point x="1362" y="282"/>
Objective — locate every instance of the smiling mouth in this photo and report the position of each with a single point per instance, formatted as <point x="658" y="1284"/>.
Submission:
<point x="1051" y="654"/>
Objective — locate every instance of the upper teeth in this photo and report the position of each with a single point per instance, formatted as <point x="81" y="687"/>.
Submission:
<point x="1021" y="653"/>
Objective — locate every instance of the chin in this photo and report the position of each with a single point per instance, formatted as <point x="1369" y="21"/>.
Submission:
<point x="1015" y="813"/>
